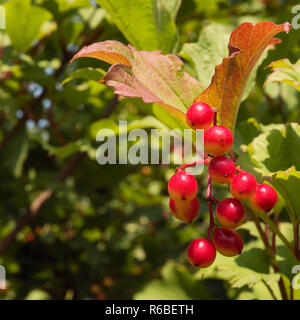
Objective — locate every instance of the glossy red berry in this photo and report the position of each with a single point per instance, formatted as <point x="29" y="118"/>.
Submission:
<point x="185" y="211"/>
<point x="221" y="169"/>
<point x="217" y="140"/>
<point x="230" y="212"/>
<point x="264" y="198"/>
<point x="182" y="186"/>
<point x="201" y="253"/>
<point x="243" y="186"/>
<point x="228" y="242"/>
<point x="200" y="115"/>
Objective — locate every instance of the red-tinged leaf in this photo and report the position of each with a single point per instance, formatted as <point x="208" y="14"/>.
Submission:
<point x="109" y="51"/>
<point x="246" y="45"/>
<point x="149" y="75"/>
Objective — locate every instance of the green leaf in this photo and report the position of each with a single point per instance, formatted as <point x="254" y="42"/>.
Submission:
<point x="37" y="294"/>
<point x="144" y="123"/>
<point x="248" y="269"/>
<point x="171" y="121"/>
<point x="287" y="183"/>
<point x="172" y="6"/>
<point x="64" y="5"/>
<point x="245" y="132"/>
<point x="284" y="256"/>
<point x="146" y="24"/>
<point x="209" y="51"/>
<point x="16" y="152"/>
<point x="176" y="284"/>
<point x="64" y="151"/>
<point x="277" y="148"/>
<point x="23" y="22"/>
<point x="86" y="74"/>
<point x="284" y="71"/>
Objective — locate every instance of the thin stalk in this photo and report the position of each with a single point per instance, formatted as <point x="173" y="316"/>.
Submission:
<point x="215" y="117"/>
<point x="209" y="199"/>
<point x="270" y="253"/>
<point x="296" y="240"/>
<point x="192" y="164"/>
<point x="274" y="229"/>
<point x="275" y="220"/>
<point x="269" y="289"/>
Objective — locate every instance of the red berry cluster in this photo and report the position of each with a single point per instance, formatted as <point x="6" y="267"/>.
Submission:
<point x="230" y="212"/>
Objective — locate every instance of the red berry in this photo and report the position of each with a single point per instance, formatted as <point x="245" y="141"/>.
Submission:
<point x="264" y="198"/>
<point x="182" y="186"/>
<point x="217" y="140"/>
<point x="201" y="252"/>
<point x="228" y="242"/>
<point x="199" y="115"/>
<point x="186" y="211"/>
<point x="230" y="213"/>
<point x="243" y="186"/>
<point x="221" y="169"/>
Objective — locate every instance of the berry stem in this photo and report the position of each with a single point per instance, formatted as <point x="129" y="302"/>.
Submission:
<point x="267" y="232"/>
<point x="215" y="117"/>
<point x="192" y="164"/>
<point x="210" y="199"/>
<point x="275" y="219"/>
<point x="239" y="170"/>
<point x="296" y="240"/>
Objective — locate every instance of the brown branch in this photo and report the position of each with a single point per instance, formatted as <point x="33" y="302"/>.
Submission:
<point x="275" y="220"/>
<point x="12" y="132"/>
<point x="54" y="126"/>
<point x="38" y="202"/>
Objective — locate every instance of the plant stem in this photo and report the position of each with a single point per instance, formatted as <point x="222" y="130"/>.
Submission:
<point x="275" y="220"/>
<point x="215" y="117"/>
<point x="192" y="164"/>
<point x="274" y="229"/>
<point x="239" y="170"/>
<point x="267" y="233"/>
<point x="270" y="253"/>
<point x="269" y="289"/>
<point x="209" y="199"/>
<point x="296" y="240"/>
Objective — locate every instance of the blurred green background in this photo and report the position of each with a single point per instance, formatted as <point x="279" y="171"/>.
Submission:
<point x="84" y="231"/>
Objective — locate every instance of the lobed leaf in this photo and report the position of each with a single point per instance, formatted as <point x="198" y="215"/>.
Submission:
<point x="276" y="148"/>
<point x="151" y="76"/>
<point x="287" y="184"/>
<point x="284" y="71"/>
<point x="246" y="45"/>
<point x="247" y="269"/>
